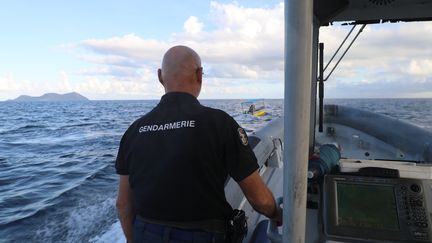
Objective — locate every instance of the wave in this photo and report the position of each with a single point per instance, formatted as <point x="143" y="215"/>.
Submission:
<point x="85" y="210"/>
<point x="113" y="234"/>
<point x="77" y="125"/>
<point x="40" y="195"/>
<point x="71" y="160"/>
<point x="70" y="155"/>
<point x="31" y="127"/>
<point x="24" y="129"/>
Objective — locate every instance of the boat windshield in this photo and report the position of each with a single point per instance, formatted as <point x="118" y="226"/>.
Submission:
<point x="378" y="102"/>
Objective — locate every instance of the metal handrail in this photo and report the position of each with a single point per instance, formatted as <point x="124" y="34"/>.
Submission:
<point x="340" y="46"/>
<point x="346" y="50"/>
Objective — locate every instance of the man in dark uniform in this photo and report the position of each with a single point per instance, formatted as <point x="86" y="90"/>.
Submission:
<point x="173" y="163"/>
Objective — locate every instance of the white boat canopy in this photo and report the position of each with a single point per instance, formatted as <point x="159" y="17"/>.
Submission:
<point x="372" y="11"/>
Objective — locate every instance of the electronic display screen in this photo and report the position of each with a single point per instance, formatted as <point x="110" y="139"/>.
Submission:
<point x="366" y="206"/>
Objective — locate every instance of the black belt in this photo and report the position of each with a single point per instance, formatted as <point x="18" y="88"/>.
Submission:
<point x="178" y="234"/>
<point x="209" y="225"/>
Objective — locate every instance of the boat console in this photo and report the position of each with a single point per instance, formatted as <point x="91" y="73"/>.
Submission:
<point x="376" y="209"/>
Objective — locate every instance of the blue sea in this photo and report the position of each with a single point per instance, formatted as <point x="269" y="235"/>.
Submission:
<point x="57" y="178"/>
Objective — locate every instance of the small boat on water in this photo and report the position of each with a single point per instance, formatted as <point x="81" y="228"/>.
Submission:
<point x="341" y="174"/>
<point x="253" y="107"/>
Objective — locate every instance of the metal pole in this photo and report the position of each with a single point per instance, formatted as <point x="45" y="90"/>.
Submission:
<point x="321" y="87"/>
<point x="315" y="37"/>
<point x="297" y="101"/>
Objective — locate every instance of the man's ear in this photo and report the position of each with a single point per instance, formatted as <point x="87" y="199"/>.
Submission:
<point x="200" y="75"/>
<point x="160" y="76"/>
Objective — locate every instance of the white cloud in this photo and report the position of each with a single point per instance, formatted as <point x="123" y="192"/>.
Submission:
<point x="420" y="67"/>
<point x="101" y="88"/>
<point x="111" y="60"/>
<point x="66" y="84"/>
<point x="241" y="49"/>
<point x="7" y="83"/>
<point x="233" y="71"/>
<point x="11" y="88"/>
<point x="192" y="25"/>
<point x="91" y="87"/>
<point x="247" y="43"/>
<point x="384" y="59"/>
<point x="127" y="47"/>
<point x="419" y="94"/>
<point x="230" y="89"/>
<point x="114" y="71"/>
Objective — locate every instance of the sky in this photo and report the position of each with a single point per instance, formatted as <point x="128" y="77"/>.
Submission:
<point x="111" y="50"/>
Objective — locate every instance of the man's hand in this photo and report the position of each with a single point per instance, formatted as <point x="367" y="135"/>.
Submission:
<point x="278" y="216"/>
<point x="125" y="207"/>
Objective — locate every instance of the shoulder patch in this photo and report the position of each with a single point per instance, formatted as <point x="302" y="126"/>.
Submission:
<point x="242" y="135"/>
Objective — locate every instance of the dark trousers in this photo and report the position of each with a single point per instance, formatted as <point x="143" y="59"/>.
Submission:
<point x="154" y="233"/>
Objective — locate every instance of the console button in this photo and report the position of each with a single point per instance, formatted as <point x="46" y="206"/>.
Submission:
<point x="420" y="235"/>
<point x="415" y="188"/>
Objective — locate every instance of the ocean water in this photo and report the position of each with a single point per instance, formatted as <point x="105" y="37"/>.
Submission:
<point x="57" y="178"/>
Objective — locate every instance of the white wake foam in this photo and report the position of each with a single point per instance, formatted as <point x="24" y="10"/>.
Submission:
<point x="114" y="234"/>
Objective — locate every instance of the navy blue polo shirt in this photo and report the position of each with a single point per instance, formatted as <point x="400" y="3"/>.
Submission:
<point x="178" y="157"/>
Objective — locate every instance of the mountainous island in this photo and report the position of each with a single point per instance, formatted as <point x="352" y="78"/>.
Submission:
<point x="73" y="96"/>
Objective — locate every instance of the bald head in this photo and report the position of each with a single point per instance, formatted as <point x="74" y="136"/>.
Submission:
<point x="181" y="71"/>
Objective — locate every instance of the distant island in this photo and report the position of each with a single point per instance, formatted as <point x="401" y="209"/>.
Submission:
<point x="73" y="96"/>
